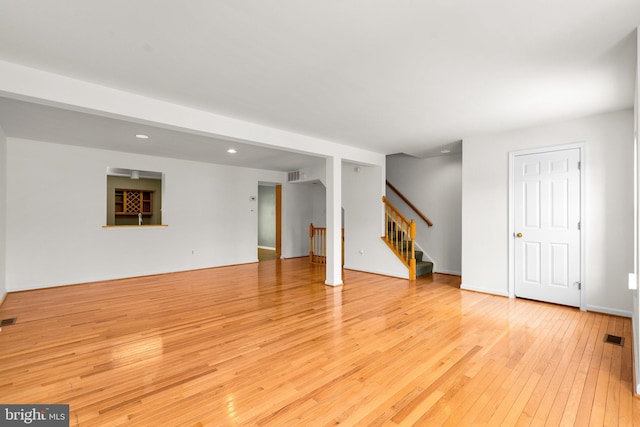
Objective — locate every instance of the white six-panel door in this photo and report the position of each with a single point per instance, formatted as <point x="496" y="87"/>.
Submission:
<point x="547" y="226"/>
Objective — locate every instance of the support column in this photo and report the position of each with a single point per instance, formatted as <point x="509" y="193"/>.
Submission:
<point x="334" y="221"/>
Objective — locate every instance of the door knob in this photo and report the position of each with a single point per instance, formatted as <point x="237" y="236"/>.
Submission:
<point x="519" y="235"/>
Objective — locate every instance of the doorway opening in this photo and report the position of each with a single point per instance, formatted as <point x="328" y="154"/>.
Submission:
<point x="269" y="221"/>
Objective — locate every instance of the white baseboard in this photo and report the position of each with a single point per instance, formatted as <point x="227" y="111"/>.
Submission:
<point x="381" y="273"/>
<point x="453" y="273"/>
<point x="467" y="287"/>
<point x="612" y="311"/>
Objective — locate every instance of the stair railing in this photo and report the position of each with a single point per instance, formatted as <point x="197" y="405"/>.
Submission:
<point x="318" y="245"/>
<point x="404" y="199"/>
<point x="400" y="235"/>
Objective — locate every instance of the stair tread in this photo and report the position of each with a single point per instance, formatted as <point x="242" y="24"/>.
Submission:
<point x="423" y="268"/>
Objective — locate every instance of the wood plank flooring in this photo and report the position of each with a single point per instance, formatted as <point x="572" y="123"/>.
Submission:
<point x="268" y="344"/>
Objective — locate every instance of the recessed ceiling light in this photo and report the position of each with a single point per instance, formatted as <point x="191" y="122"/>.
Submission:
<point x="231" y="151"/>
<point x="141" y="136"/>
<point x="445" y="151"/>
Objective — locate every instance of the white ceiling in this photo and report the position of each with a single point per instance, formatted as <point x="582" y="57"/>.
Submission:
<point x="389" y="76"/>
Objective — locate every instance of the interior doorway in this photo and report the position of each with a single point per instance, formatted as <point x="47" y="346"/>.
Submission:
<point x="269" y="221"/>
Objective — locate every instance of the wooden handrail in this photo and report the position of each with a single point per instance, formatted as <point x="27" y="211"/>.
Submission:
<point x="394" y="209"/>
<point x="404" y="199"/>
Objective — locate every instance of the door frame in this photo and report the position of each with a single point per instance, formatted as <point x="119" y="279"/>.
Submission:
<point x="583" y="220"/>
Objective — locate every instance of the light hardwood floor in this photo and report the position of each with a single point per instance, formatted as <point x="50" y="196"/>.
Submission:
<point x="268" y="344"/>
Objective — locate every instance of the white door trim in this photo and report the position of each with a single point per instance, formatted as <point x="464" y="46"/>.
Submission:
<point x="583" y="220"/>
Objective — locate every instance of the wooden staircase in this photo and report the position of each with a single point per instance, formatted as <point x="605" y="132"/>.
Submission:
<point x="400" y="235"/>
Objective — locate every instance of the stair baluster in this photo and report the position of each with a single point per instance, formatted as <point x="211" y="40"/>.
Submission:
<point x="318" y="245"/>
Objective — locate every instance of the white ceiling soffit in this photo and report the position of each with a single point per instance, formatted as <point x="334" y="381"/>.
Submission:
<point x="388" y="76"/>
<point x="26" y="120"/>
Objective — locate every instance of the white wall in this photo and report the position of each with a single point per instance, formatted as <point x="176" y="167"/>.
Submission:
<point x="3" y="213"/>
<point x="609" y="205"/>
<point x="56" y="207"/>
<point x="364" y="222"/>
<point x="434" y="186"/>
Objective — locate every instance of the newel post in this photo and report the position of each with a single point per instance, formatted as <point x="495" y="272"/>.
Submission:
<point x="412" y="259"/>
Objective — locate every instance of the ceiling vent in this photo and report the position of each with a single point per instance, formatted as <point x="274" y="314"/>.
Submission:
<point x="293" y="176"/>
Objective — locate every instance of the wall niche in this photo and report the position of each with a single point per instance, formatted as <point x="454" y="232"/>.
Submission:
<point x="134" y="197"/>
